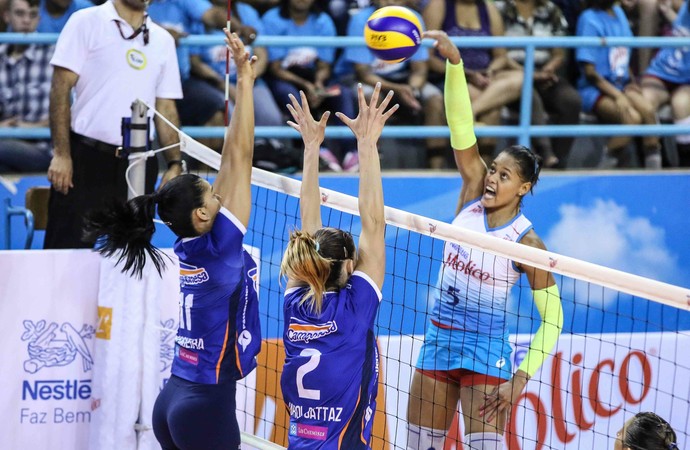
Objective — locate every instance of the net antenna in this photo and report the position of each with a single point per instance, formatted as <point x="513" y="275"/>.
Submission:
<point x="227" y="67"/>
<point x="635" y="285"/>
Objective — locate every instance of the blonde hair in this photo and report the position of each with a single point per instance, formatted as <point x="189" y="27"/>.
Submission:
<point x="317" y="261"/>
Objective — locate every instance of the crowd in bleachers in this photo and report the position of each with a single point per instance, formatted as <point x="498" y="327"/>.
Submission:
<point x="599" y="84"/>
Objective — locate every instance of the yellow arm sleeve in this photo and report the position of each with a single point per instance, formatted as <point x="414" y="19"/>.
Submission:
<point x="458" y="108"/>
<point x="548" y="303"/>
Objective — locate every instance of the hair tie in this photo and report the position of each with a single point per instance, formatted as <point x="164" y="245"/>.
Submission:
<point x="345" y="251"/>
<point x="672" y="446"/>
<point x="317" y="246"/>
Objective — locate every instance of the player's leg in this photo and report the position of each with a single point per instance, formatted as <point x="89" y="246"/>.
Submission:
<point x="430" y="411"/>
<point x="479" y="433"/>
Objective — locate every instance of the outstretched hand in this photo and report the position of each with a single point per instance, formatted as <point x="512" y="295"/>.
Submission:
<point x="312" y="132"/>
<point x="243" y="61"/>
<point x="369" y="123"/>
<point x="443" y="45"/>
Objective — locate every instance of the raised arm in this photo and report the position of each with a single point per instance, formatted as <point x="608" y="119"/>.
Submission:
<point x="367" y="127"/>
<point x="233" y="182"/>
<point x="313" y="133"/>
<point x="460" y="120"/>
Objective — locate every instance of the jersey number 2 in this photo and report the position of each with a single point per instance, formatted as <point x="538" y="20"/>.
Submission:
<point x="312" y="364"/>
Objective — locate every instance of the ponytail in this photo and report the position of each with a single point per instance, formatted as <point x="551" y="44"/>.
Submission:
<point x="302" y="261"/>
<point x="126" y="228"/>
<point x="317" y="260"/>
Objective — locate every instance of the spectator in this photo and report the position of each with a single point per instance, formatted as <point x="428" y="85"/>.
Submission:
<point x="209" y="64"/>
<point x="111" y="54"/>
<point x="3" y="22"/>
<point x="54" y="13"/>
<point x="493" y="79"/>
<point x="308" y="69"/>
<point x="25" y="73"/>
<point x="202" y="104"/>
<point x="262" y="5"/>
<point x="668" y="78"/>
<point x="647" y="431"/>
<point x="552" y="92"/>
<point x="407" y="79"/>
<point x="606" y="84"/>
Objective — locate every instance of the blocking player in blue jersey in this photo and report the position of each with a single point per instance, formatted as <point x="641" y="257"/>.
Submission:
<point x="219" y="333"/>
<point x="466" y="355"/>
<point x="330" y="377"/>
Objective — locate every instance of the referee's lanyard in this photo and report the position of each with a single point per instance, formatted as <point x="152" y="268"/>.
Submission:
<point x="143" y="28"/>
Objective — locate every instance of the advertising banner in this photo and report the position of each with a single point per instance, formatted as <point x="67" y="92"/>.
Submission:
<point x="48" y="305"/>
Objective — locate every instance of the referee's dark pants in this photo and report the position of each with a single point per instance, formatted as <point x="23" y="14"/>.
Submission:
<point x="98" y="176"/>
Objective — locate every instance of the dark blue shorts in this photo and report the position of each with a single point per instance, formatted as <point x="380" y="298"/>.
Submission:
<point x="192" y="416"/>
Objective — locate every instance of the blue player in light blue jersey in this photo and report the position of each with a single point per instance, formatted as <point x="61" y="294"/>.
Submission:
<point x="667" y="79"/>
<point x="466" y="355"/>
<point x="219" y="333"/>
<point x="330" y="377"/>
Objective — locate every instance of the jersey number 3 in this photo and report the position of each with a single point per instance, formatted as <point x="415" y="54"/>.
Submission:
<point x="309" y="366"/>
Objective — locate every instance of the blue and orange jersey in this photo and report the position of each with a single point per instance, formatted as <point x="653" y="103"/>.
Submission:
<point x="330" y="377"/>
<point x="219" y="333"/>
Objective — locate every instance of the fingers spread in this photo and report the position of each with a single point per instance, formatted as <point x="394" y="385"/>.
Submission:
<point x="324" y="118"/>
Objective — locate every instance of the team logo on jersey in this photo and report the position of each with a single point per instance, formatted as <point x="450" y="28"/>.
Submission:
<point x="136" y="59"/>
<point x="244" y="339"/>
<point x="299" y="331"/>
<point x="469" y="268"/>
<point x="47" y="348"/>
<point x="308" y="431"/>
<point x="500" y="363"/>
<point x="191" y="275"/>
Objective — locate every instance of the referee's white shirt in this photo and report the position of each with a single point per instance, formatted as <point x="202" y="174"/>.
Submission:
<point x="113" y="72"/>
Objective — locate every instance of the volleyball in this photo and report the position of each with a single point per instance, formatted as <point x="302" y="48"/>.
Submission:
<point x="393" y="33"/>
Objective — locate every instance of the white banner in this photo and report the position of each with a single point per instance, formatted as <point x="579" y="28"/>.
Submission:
<point x="48" y="307"/>
<point x="579" y="399"/>
<point x="49" y="301"/>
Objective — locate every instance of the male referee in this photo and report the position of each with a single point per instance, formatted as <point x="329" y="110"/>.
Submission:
<point x="111" y="55"/>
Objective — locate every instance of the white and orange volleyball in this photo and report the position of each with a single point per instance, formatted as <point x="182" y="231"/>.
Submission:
<point x="393" y="33"/>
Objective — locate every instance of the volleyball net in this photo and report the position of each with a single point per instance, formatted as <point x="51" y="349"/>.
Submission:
<point x="623" y="347"/>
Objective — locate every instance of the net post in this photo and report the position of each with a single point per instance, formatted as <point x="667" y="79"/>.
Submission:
<point x="135" y="134"/>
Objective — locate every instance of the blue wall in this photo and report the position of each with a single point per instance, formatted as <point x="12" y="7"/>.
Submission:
<point x="633" y="222"/>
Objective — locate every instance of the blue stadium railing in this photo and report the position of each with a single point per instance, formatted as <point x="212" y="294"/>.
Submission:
<point x="523" y="130"/>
